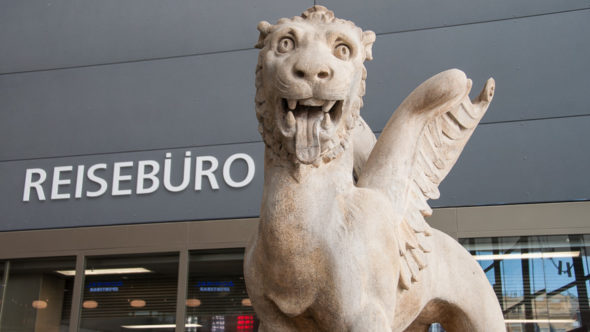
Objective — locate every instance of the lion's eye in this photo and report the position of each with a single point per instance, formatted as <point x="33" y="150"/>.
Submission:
<point x="286" y="44"/>
<point x="342" y="52"/>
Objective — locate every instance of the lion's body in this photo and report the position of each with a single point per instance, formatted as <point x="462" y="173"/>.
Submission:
<point x="298" y="259"/>
<point x="340" y="274"/>
<point x="337" y="252"/>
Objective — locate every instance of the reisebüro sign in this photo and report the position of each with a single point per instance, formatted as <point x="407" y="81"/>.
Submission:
<point x="69" y="181"/>
<point x="184" y="184"/>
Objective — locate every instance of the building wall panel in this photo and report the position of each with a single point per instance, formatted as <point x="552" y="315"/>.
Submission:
<point x="395" y="16"/>
<point x="192" y="101"/>
<point x="36" y="35"/>
<point x="522" y="162"/>
<point x="539" y="63"/>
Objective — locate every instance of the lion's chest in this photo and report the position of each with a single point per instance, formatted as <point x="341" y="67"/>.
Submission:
<point x="313" y="238"/>
<point x="298" y="219"/>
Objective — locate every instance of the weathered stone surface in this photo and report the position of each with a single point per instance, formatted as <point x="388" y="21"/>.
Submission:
<point x="342" y="243"/>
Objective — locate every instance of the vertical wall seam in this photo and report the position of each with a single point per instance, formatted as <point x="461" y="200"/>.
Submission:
<point x="4" y="286"/>
<point x="75" y="311"/>
<point x="183" y="262"/>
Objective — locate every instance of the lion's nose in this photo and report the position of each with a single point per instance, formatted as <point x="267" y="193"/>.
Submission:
<point x="312" y="72"/>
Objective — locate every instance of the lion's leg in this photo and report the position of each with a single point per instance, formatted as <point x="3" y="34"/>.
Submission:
<point x="482" y="316"/>
<point x="271" y="318"/>
<point x="450" y="316"/>
<point x="464" y="299"/>
<point x="266" y="326"/>
<point x="430" y="314"/>
<point x="455" y="318"/>
<point x="418" y="327"/>
<point x="371" y="318"/>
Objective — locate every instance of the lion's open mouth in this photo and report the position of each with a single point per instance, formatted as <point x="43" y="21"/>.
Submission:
<point x="312" y="122"/>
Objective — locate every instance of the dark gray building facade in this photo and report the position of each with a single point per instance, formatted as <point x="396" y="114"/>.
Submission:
<point x="128" y="139"/>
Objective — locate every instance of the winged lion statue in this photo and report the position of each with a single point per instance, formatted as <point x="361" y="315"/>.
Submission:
<point x="342" y="243"/>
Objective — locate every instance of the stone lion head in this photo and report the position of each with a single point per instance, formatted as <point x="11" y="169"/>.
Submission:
<point x="310" y="80"/>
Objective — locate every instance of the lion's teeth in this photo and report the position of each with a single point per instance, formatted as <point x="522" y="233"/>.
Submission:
<point x="291" y="120"/>
<point x="292" y="103"/>
<point x="327" y="121"/>
<point x="328" y="105"/>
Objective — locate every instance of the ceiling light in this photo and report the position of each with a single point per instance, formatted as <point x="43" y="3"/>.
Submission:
<point x="137" y="303"/>
<point x="89" y="304"/>
<point x="160" y="326"/>
<point x="531" y="255"/>
<point x="193" y="303"/>
<point x="89" y="272"/>
<point x="39" y="304"/>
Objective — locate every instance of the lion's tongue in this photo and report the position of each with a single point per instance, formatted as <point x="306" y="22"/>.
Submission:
<point x="307" y="142"/>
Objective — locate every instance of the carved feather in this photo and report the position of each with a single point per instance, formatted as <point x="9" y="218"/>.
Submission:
<point x="415" y="152"/>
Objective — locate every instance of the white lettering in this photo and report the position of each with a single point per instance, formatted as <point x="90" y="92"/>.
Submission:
<point x="57" y="182"/>
<point x="118" y="178"/>
<point x="151" y="176"/>
<point x="200" y="172"/>
<point x="98" y="180"/>
<point x="79" y="181"/>
<point x="227" y="166"/>
<point x="91" y="180"/>
<point x="186" y="174"/>
<point x="30" y="184"/>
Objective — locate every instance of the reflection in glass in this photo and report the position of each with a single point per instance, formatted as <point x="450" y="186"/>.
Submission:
<point x="130" y="293"/>
<point x="541" y="281"/>
<point x="35" y="298"/>
<point x="216" y="294"/>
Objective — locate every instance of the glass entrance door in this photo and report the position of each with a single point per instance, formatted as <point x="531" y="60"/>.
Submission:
<point x="34" y="296"/>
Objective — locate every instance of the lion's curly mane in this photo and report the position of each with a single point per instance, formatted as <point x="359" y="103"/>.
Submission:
<point x="264" y="108"/>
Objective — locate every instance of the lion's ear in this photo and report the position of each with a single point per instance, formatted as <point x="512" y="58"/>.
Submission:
<point x="264" y="27"/>
<point x="368" y="40"/>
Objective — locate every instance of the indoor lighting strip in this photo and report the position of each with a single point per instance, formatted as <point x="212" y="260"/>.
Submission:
<point x="161" y="326"/>
<point x="546" y="320"/>
<point x="90" y="272"/>
<point x="531" y="255"/>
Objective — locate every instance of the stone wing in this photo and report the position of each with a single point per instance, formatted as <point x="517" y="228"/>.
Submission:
<point x="416" y="150"/>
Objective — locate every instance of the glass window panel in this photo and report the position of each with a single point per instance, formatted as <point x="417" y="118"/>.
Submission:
<point x="130" y="293"/>
<point x="36" y="297"/>
<point x="216" y="294"/>
<point x="544" y="279"/>
<point x="513" y="291"/>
